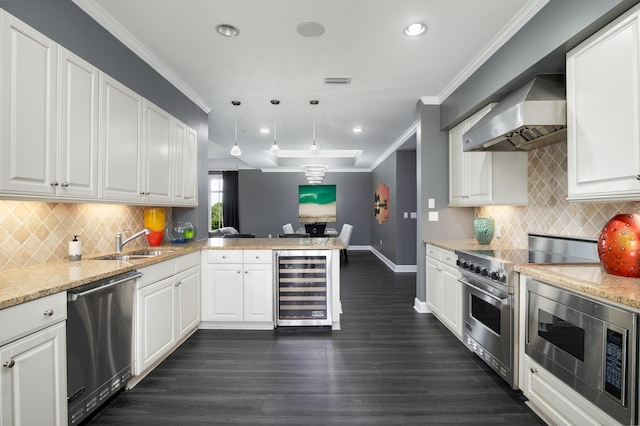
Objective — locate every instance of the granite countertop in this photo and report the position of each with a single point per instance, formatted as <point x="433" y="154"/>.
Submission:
<point x="589" y="279"/>
<point x="21" y="285"/>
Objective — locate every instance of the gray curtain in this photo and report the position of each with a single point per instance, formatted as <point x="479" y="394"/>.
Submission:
<point x="230" y="199"/>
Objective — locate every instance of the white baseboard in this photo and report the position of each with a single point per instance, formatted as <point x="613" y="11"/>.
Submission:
<point x="391" y="265"/>
<point x="421" y="307"/>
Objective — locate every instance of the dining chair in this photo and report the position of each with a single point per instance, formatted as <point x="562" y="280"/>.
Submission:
<point x="345" y="236"/>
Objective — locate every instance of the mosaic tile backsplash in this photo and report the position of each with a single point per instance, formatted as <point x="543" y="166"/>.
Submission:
<point x="37" y="232"/>
<point x="548" y="211"/>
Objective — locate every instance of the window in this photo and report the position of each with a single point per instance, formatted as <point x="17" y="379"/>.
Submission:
<point x="215" y="201"/>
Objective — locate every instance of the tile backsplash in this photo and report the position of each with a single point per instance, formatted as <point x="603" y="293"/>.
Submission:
<point x="548" y="211"/>
<point x="36" y="232"/>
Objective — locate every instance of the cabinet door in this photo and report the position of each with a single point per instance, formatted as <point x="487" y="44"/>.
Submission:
<point x="222" y="293"/>
<point x="120" y="141"/>
<point x="190" y="167"/>
<point x="451" y="307"/>
<point x="28" y="87"/>
<point x="258" y="292"/>
<point x="603" y="114"/>
<point x="458" y="192"/>
<point x="479" y="168"/>
<point x="78" y="147"/>
<point x="156" y="164"/>
<point x="156" y="322"/>
<point x="179" y="135"/>
<point x="33" y="383"/>
<point x="433" y="285"/>
<point x="188" y="301"/>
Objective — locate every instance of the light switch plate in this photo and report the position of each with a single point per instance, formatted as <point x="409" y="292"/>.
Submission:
<point x="406" y="215"/>
<point x="432" y="203"/>
<point x="433" y="216"/>
<point x="414" y="215"/>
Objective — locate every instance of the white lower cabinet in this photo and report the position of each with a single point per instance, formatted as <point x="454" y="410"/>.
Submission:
<point x="33" y="370"/>
<point x="556" y="402"/>
<point x="444" y="291"/>
<point x="237" y="289"/>
<point x="167" y="309"/>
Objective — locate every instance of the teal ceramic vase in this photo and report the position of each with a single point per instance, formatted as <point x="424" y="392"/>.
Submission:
<point x="483" y="227"/>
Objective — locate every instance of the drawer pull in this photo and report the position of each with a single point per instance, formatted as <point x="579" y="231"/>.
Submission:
<point x="48" y="313"/>
<point x="638" y="177"/>
<point x="224" y="256"/>
<point x="9" y="364"/>
<point x="534" y="370"/>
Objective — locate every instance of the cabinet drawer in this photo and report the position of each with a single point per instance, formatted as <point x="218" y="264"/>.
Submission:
<point x="187" y="261"/>
<point x="31" y="316"/>
<point x="155" y="273"/>
<point x="448" y="257"/>
<point x="224" y="256"/>
<point x="258" y="256"/>
<point x="433" y="252"/>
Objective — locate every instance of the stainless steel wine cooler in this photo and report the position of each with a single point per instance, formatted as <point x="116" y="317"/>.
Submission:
<point x="303" y="287"/>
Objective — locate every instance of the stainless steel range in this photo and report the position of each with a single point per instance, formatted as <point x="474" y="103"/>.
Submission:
<point x="490" y="294"/>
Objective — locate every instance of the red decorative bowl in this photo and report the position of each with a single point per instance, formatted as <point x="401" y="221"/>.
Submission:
<point x="619" y="245"/>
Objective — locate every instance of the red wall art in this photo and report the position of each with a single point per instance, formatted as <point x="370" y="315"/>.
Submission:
<point x="381" y="203"/>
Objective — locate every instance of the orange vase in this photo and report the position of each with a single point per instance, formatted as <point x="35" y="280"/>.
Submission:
<point x="154" y="221"/>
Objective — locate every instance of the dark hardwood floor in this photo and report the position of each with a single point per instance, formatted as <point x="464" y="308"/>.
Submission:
<point x="387" y="366"/>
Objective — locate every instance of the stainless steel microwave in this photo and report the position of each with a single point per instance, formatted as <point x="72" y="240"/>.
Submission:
<point x="588" y="345"/>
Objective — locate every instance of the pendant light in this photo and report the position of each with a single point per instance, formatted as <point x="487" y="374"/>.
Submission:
<point x="314" y="147"/>
<point x="235" y="150"/>
<point x="275" y="148"/>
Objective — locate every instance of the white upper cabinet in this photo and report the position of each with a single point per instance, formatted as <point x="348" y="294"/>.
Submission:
<point x="484" y="178"/>
<point x="78" y="144"/>
<point x="156" y="160"/>
<point x="185" y="165"/>
<point x="28" y="120"/>
<point x="603" y="114"/>
<point x="120" y="142"/>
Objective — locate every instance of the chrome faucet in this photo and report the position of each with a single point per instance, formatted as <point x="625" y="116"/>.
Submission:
<point x="120" y="243"/>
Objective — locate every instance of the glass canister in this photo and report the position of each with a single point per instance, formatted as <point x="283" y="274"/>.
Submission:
<point x="154" y="221"/>
<point x="483" y="227"/>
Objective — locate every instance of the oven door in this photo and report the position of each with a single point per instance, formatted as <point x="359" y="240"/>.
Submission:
<point x="488" y="319"/>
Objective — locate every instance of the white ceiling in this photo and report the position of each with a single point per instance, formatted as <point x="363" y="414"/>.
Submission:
<point x="269" y="59"/>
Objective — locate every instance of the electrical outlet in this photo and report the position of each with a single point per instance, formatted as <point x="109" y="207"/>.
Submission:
<point x="498" y="231"/>
<point x="380" y="242"/>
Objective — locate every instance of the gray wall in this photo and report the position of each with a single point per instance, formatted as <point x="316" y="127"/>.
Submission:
<point x="433" y="182"/>
<point x="539" y="47"/>
<point x="398" y="235"/>
<point x="66" y="24"/>
<point x="269" y="200"/>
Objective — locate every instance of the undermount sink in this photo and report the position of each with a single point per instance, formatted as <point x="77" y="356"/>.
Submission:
<point x="136" y="255"/>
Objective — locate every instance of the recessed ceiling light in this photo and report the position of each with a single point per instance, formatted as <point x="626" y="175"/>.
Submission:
<point x="264" y="131"/>
<point x="227" y="30"/>
<point x="415" y="29"/>
<point x="357" y="130"/>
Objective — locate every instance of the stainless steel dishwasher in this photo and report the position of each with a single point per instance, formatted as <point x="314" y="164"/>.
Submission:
<point x="99" y="342"/>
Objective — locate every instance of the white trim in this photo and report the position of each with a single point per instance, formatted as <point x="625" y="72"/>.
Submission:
<point x="390" y="264"/>
<point x="401" y="140"/>
<point x="421" y="307"/>
<point x="526" y="13"/>
<point x="93" y="9"/>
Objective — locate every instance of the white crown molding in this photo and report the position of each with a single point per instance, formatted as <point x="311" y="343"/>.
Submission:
<point x="512" y="27"/>
<point x="91" y="8"/>
<point x="402" y="139"/>
<point x="430" y="100"/>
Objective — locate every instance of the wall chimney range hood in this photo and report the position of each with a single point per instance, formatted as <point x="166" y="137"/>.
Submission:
<point x="532" y="116"/>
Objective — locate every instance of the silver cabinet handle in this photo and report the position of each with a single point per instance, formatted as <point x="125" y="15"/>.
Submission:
<point x="48" y="313"/>
<point x="65" y="184"/>
<point x="9" y="364"/>
<point x="54" y="183"/>
<point x="224" y="256"/>
<point x="638" y="177"/>
<point x="534" y="370"/>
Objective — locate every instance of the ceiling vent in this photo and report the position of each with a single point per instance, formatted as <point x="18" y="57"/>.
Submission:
<point x="337" y="80"/>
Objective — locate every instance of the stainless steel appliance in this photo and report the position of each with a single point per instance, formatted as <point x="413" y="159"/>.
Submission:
<point x="530" y="117"/>
<point x="99" y="342"/>
<point x="490" y="301"/>
<point x="303" y="287"/>
<point x="588" y="345"/>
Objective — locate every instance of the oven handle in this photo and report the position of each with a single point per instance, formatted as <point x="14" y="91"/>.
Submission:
<point x="504" y="301"/>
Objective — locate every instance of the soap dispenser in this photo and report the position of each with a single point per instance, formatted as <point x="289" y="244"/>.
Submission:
<point x="75" y="249"/>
